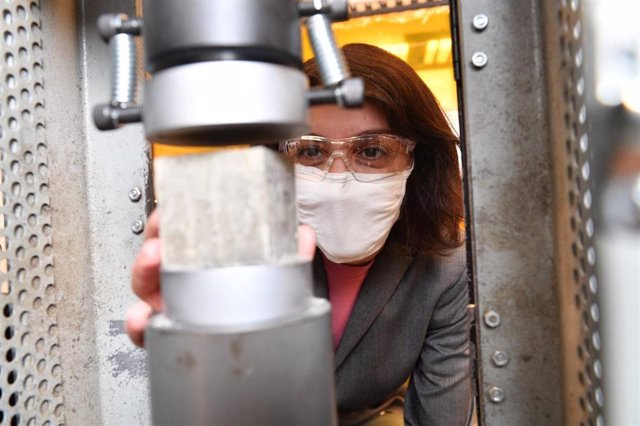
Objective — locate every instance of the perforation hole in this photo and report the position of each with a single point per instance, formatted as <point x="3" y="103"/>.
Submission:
<point x="13" y="399"/>
<point x="12" y="377"/>
<point x="7" y="311"/>
<point x="21" y="12"/>
<point x="9" y="332"/>
<point x="10" y="355"/>
<point x="7" y="16"/>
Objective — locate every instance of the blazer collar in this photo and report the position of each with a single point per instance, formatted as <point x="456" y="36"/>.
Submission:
<point x="384" y="276"/>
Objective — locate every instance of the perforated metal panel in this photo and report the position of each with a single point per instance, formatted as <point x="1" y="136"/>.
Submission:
<point x="65" y="228"/>
<point x="581" y="313"/>
<point x="31" y="390"/>
<point x="527" y="163"/>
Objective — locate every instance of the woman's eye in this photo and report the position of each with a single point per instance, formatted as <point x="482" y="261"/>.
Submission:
<point x="310" y="152"/>
<point x="371" y="153"/>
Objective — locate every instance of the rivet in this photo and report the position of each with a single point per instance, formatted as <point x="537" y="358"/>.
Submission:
<point x="576" y="30"/>
<point x="597" y="368"/>
<point x="595" y="339"/>
<point x="593" y="284"/>
<point x="585" y="171"/>
<point x="479" y="59"/>
<point x="496" y="394"/>
<point x="582" y="115"/>
<point x="591" y="256"/>
<point x="599" y="397"/>
<point x="137" y="226"/>
<point x="492" y="319"/>
<point x="584" y="143"/>
<point x="135" y="194"/>
<point x="595" y="312"/>
<point x="579" y="58"/>
<point x="580" y="86"/>
<point x="588" y="226"/>
<point x="500" y="358"/>
<point x="586" y="199"/>
<point x="480" y="22"/>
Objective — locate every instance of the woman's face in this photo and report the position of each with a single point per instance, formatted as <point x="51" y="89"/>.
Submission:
<point x="335" y="122"/>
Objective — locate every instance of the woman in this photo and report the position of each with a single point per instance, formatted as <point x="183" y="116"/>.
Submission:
<point x="380" y="185"/>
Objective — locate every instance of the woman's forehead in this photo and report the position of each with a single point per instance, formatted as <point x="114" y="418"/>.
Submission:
<point x="336" y="122"/>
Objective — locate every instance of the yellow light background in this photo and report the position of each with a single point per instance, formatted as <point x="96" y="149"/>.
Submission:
<point x="421" y="37"/>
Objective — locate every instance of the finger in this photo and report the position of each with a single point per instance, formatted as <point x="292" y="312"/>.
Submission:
<point x="151" y="230"/>
<point x="137" y="319"/>
<point x="306" y="241"/>
<point x="145" y="274"/>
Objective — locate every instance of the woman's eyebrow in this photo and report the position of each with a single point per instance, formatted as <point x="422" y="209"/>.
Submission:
<point x="374" y="131"/>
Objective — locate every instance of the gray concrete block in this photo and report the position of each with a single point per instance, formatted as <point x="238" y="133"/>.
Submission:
<point x="226" y="208"/>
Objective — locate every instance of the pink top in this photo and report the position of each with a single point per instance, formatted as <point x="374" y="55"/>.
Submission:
<point x="344" y="285"/>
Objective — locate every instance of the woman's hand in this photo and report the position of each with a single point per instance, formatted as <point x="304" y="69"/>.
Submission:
<point x="145" y="276"/>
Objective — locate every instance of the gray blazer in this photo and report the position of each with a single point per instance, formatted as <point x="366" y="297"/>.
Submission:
<point x="409" y="322"/>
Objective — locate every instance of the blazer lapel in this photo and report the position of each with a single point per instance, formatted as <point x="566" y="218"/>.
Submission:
<point x="320" y="286"/>
<point x="383" y="278"/>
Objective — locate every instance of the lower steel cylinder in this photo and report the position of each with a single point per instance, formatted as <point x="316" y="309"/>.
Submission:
<point x="225" y="103"/>
<point x="276" y="373"/>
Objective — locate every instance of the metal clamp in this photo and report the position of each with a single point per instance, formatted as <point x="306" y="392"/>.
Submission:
<point x="119" y="31"/>
<point x="337" y="10"/>
<point x="340" y="87"/>
<point x="347" y="93"/>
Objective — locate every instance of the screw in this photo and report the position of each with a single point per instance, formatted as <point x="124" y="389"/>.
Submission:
<point x="492" y="319"/>
<point x="500" y="358"/>
<point x="480" y="22"/>
<point x="479" y="59"/>
<point x="135" y="194"/>
<point x="496" y="394"/>
<point x="137" y="226"/>
<point x="108" y="117"/>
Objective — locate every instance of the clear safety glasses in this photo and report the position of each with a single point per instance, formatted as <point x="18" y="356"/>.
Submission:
<point x="366" y="157"/>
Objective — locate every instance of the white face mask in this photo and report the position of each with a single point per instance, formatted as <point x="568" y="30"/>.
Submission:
<point x="352" y="219"/>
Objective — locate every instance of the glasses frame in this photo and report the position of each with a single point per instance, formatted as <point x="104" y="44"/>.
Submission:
<point x="408" y="144"/>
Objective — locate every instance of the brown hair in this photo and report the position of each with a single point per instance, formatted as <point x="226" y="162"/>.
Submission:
<point x="432" y="210"/>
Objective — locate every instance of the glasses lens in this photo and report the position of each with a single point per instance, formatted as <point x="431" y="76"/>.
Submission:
<point x="309" y="151"/>
<point x="378" y="154"/>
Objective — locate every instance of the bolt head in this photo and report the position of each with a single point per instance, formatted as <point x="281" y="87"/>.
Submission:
<point x="480" y="22"/>
<point x="496" y="394"/>
<point x="479" y="59"/>
<point x="135" y="194"/>
<point x="500" y="358"/>
<point x="491" y="319"/>
<point x="137" y="226"/>
<point x="350" y="92"/>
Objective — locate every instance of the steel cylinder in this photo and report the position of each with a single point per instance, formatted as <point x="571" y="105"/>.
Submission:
<point x="223" y="72"/>
<point x="225" y="103"/>
<point x="187" y="31"/>
<point x="278" y="374"/>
